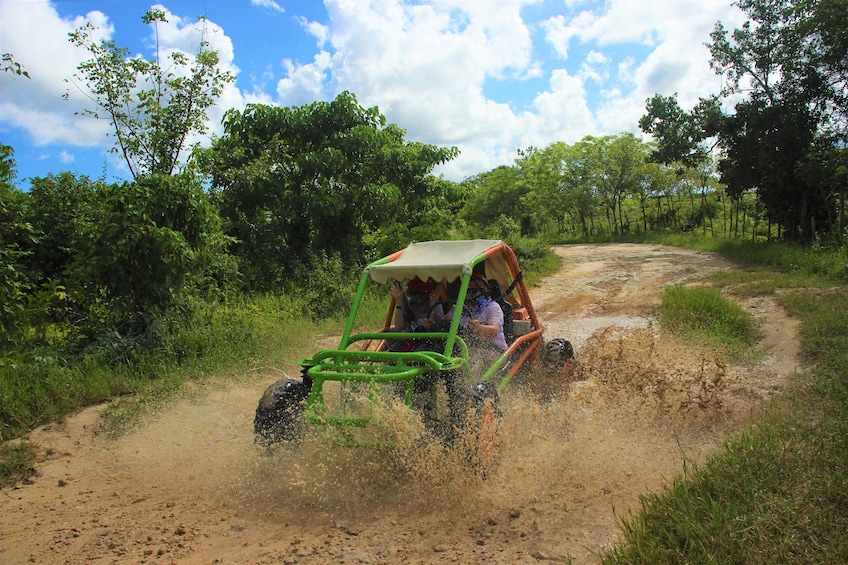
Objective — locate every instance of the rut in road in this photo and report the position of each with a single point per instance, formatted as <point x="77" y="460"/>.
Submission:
<point x="187" y="485"/>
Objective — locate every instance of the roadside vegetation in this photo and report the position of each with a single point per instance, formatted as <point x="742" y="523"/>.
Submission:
<point x="778" y="491"/>
<point x="215" y="261"/>
<point x="703" y="315"/>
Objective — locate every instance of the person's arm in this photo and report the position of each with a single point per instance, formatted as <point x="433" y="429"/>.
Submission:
<point x="486" y="330"/>
<point x="399" y="299"/>
<point x="490" y="322"/>
<point x="399" y="320"/>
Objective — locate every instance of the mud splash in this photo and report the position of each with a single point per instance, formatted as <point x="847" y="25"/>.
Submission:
<point x="575" y="450"/>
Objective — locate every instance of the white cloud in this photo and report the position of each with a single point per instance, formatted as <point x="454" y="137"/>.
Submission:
<point x="559" y="31"/>
<point x="318" y="30"/>
<point x="268" y="4"/>
<point x="38" y="38"/>
<point x="671" y="32"/>
<point x="305" y="83"/>
<point x="425" y="66"/>
<point x="563" y="113"/>
<point x="447" y="71"/>
<point x="594" y="67"/>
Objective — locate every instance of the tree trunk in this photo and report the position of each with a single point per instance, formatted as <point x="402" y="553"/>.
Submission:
<point x="840" y="236"/>
<point x="756" y="219"/>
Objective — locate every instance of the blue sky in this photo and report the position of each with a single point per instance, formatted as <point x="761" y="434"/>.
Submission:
<point x="487" y="76"/>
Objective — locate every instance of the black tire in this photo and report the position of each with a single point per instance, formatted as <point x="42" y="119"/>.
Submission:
<point x="484" y="393"/>
<point x="480" y="429"/>
<point x="279" y="416"/>
<point x="557" y="352"/>
<point x="423" y="399"/>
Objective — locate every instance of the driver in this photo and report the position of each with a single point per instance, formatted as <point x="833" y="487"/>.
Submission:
<point x="413" y="309"/>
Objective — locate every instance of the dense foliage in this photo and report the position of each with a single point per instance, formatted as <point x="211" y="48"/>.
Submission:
<point x="600" y="187"/>
<point x="294" y="183"/>
<point x="785" y="69"/>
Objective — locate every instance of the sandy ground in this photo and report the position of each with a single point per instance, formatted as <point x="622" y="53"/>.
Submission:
<point x="188" y="485"/>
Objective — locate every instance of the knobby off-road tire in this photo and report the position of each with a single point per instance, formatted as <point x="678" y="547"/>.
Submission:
<point x="557" y="353"/>
<point x="435" y="403"/>
<point x="279" y="416"/>
<point x="479" y="433"/>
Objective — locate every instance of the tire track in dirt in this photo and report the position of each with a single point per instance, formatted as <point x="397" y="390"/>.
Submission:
<point x="189" y="486"/>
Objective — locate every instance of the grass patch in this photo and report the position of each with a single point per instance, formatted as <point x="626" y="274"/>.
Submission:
<point x="777" y="493"/>
<point x="760" y="282"/>
<point x="703" y="315"/>
<point x="824" y="341"/>
<point x="760" y="500"/>
<point x="17" y="461"/>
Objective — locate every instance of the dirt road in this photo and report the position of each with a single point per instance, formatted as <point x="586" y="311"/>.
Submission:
<point x="189" y="486"/>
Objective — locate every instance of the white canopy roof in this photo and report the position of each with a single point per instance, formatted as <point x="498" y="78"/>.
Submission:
<point x="436" y="259"/>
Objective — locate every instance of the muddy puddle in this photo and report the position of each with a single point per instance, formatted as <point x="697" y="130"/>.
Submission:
<point x="575" y="450"/>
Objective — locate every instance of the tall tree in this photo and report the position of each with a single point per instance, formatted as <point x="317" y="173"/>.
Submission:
<point x="296" y="182"/>
<point x="153" y="109"/>
<point x="493" y="194"/>
<point x="17" y="238"/>
<point x="782" y="66"/>
<point x="825" y="32"/>
<point x="543" y="173"/>
<point x="770" y="133"/>
<point x="620" y="161"/>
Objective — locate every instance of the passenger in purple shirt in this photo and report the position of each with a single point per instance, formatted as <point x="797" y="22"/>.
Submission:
<point x="484" y="318"/>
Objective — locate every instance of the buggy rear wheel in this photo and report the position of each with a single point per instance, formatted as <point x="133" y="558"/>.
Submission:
<point x="279" y="416"/>
<point x="557" y="353"/>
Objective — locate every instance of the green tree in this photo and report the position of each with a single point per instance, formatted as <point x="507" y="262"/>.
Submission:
<point x="542" y="199"/>
<point x="55" y="203"/>
<point x="493" y="194"/>
<point x="140" y="250"/>
<point x="16" y="240"/>
<point x="438" y="208"/>
<point x="826" y="32"/>
<point x="298" y="182"/>
<point x="682" y="136"/>
<point x="560" y="186"/>
<point x="619" y="163"/>
<point x="152" y="109"/>
<point x="655" y="181"/>
<point x="783" y="60"/>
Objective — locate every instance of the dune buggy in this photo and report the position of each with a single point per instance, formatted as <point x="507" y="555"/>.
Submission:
<point x="427" y="369"/>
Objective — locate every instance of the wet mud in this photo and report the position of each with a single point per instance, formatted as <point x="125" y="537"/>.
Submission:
<point x="575" y="450"/>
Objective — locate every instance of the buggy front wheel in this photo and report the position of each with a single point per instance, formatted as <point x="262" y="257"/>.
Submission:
<point x="479" y="433"/>
<point x="279" y="416"/>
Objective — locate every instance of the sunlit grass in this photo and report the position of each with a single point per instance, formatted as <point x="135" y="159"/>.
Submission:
<point x="778" y="492"/>
<point x="703" y="315"/>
